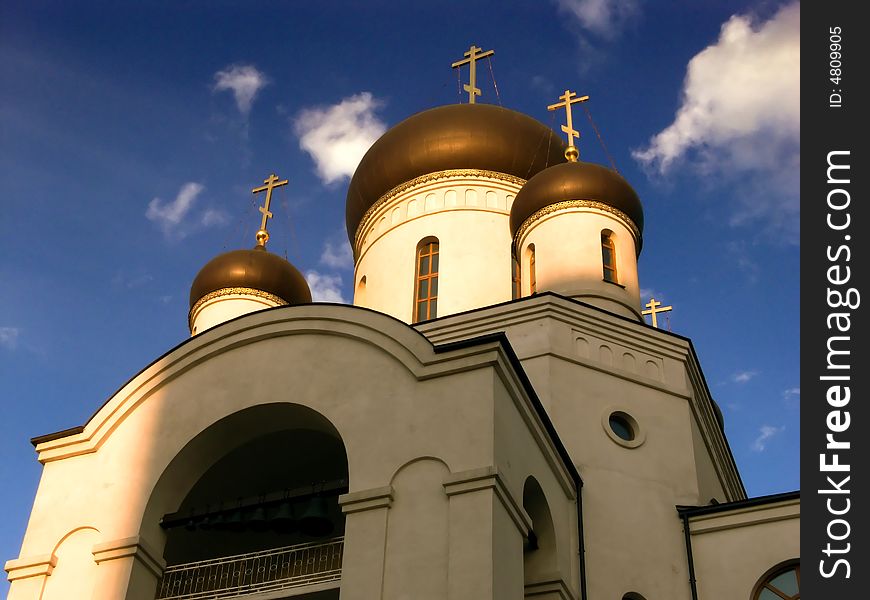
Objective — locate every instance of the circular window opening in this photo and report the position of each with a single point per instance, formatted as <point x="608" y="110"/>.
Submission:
<point x="621" y="426"/>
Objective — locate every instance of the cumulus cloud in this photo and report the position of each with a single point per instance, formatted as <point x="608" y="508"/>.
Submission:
<point x="743" y="376"/>
<point x="324" y="288"/>
<point x="338" y="136"/>
<point x="604" y="18"/>
<point x="791" y="393"/>
<point x="740" y="114"/>
<point x="765" y="433"/>
<point x="244" y="81"/>
<point x="9" y="337"/>
<point x="169" y="216"/>
<point x="337" y="254"/>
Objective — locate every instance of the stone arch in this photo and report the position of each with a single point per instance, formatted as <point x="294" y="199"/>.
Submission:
<point x="418" y="519"/>
<point x="540" y="554"/>
<point x="230" y="434"/>
<point x="76" y="571"/>
<point x="605" y="354"/>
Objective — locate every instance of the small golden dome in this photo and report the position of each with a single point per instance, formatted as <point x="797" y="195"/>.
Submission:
<point x="256" y="269"/>
<point x="576" y="181"/>
<point x="456" y="136"/>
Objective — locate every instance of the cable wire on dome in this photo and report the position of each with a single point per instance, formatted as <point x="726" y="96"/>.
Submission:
<point x="549" y="135"/>
<point x="600" y="139"/>
<point x="494" y="84"/>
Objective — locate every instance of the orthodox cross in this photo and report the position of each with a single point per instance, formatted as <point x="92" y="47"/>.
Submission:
<point x="654" y="309"/>
<point x="569" y="98"/>
<point x="271" y="183"/>
<point x="474" y="53"/>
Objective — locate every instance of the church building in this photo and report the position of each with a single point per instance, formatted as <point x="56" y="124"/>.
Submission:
<point x="492" y="418"/>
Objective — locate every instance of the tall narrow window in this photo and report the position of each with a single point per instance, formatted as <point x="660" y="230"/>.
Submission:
<point x="533" y="281"/>
<point x="515" y="278"/>
<point x="608" y="255"/>
<point x="426" y="293"/>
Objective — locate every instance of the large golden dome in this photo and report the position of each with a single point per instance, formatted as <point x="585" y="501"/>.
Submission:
<point x="456" y="136"/>
<point x="576" y="181"/>
<point x="256" y="269"/>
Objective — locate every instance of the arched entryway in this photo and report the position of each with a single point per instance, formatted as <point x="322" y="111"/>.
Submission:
<point x="251" y="504"/>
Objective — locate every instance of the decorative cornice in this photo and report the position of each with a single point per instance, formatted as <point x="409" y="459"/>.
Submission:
<point x="381" y="497"/>
<point x="133" y="547"/>
<point x="233" y="291"/>
<point x="475" y="480"/>
<point x="421" y="180"/>
<point x="566" y="204"/>
<point x="30" y="566"/>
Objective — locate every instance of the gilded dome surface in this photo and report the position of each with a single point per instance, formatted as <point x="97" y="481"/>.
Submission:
<point x="576" y="181"/>
<point x="456" y="136"/>
<point x="257" y="269"/>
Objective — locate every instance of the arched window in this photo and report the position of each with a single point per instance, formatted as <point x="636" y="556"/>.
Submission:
<point x="426" y="281"/>
<point x="515" y="278"/>
<point x="608" y="256"/>
<point x="539" y="553"/>
<point x="533" y="281"/>
<point x="782" y="582"/>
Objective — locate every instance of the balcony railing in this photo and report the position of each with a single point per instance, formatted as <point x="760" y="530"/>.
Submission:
<point x="275" y="569"/>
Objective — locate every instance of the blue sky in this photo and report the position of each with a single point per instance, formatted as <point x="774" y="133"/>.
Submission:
<point x="132" y="135"/>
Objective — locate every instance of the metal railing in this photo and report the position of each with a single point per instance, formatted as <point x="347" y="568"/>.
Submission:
<point x="275" y="569"/>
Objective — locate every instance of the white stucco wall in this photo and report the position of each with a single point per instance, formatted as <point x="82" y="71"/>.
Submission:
<point x="568" y="259"/>
<point x="469" y="218"/>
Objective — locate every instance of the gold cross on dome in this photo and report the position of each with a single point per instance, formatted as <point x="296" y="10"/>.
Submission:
<point x="654" y="309"/>
<point x="569" y="98"/>
<point x="271" y="183"/>
<point x="474" y="54"/>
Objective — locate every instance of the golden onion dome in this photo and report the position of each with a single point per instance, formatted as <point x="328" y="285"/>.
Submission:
<point x="576" y="181"/>
<point x="456" y="136"/>
<point x="256" y="269"/>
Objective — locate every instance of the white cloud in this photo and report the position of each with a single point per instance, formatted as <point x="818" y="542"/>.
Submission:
<point x="792" y="397"/>
<point x="9" y="337"/>
<point x="213" y="216"/>
<point x="337" y="254"/>
<point x="172" y="217"/>
<point x="324" y="288"/>
<point x="338" y="136"/>
<point x="168" y="215"/>
<point x="765" y="433"/>
<point x="244" y="81"/>
<point x="740" y="115"/>
<point x="129" y="281"/>
<point x="605" y="18"/>
<point x="743" y="376"/>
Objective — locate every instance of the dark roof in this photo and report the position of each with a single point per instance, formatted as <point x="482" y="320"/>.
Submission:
<point x="692" y="511"/>
<point x="258" y="269"/>
<point x="576" y="181"/>
<point x="457" y="136"/>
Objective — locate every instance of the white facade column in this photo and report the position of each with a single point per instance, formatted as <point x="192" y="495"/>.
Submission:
<point x="365" y="540"/>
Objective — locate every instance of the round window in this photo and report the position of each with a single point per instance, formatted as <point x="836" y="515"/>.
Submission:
<point x="621" y="427"/>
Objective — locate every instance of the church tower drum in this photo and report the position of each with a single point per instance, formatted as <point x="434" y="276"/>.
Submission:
<point x="435" y="192"/>
<point x="577" y="230"/>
